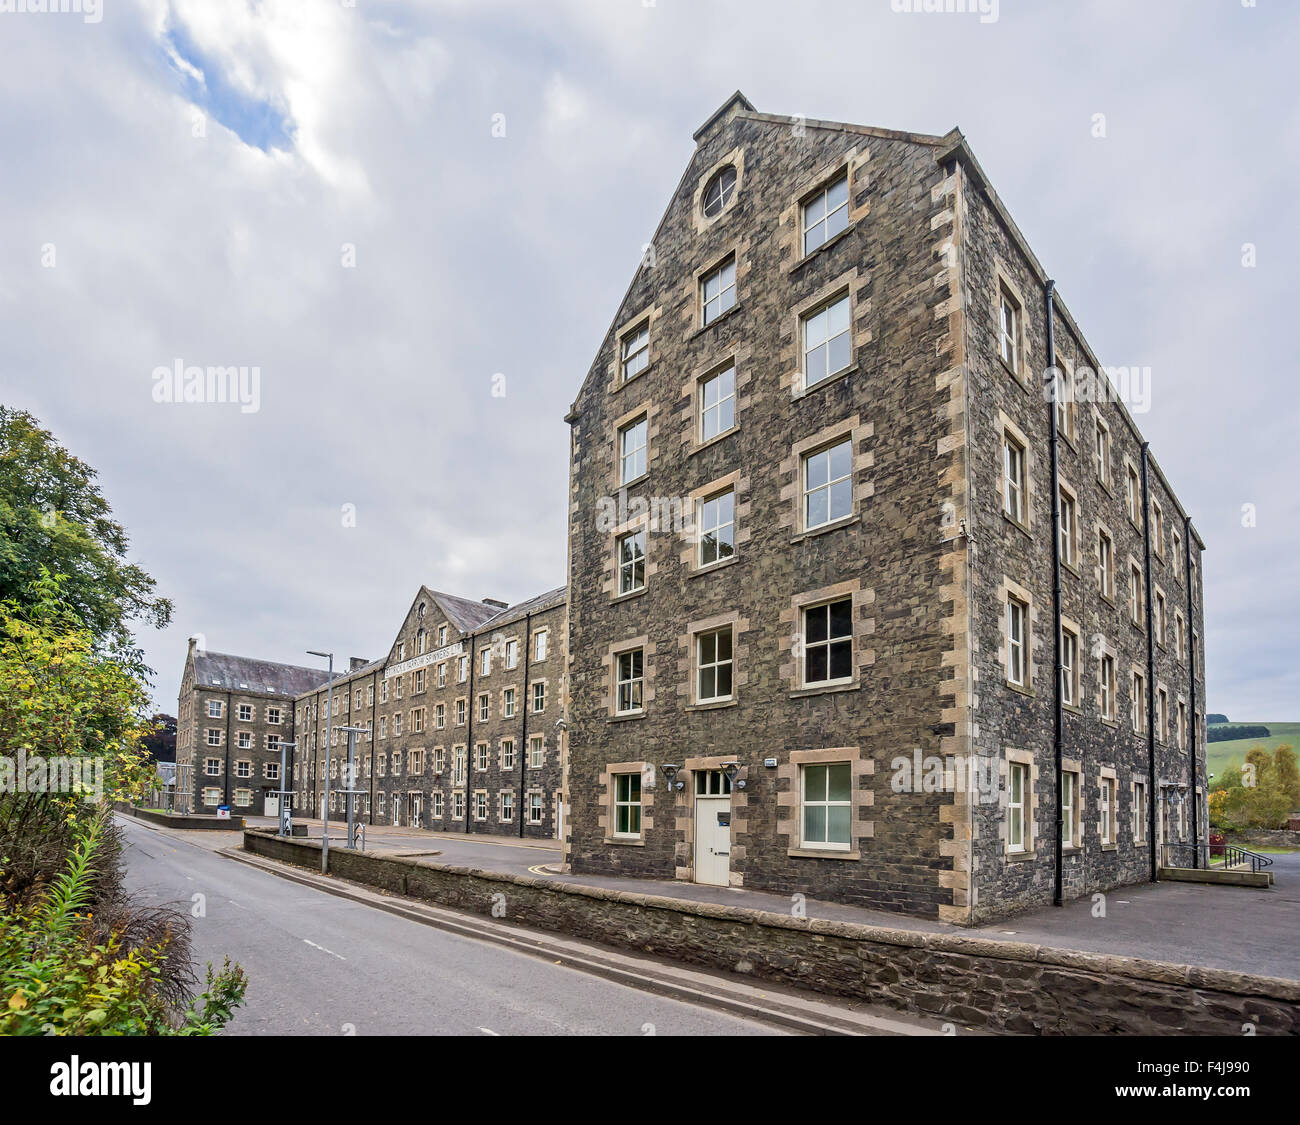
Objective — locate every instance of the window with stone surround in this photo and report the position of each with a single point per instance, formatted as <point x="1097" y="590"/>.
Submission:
<point x="718" y="192"/>
<point x="632" y="440"/>
<point x="534" y="808"/>
<point x="1009" y="329"/>
<point x="536" y="751"/>
<point x="512" y="654"/>
<point x="1138" y="697"/>
<point x="1107" y="808"/>
<point x="1069" y="667"/>
<point x="245" y="712"/>
<point x="539" y="696"/>
<point x="214" y="736"/>
<point x="214" y="708"/>
<point x="1063" y="392"/>
<point x="507" y="753"/>
<point x="1017" y="794"/>
<point x="1132" y="488"/>
<point x="541" y="642"/>
<point x="212" y="767"/>
<point x="718" y="291"/>
<point x="713" y="665"/>
<point x="507" y="806"/>
<point x="244" y="739"/>
<point x="828" y="643"/>
<point x="717" y="403"/>
<point x="1107" y="686"/>
<point x="483" y="708"/>
<point x="715" y="527"/>
<point x="1105" y="564"/>
<point x="1017" y="613"/>
<point x="627" y="804"/>
<point x="629" y="681"/>
<point x="635" y="350"/>
<point x="1014" y="478"/>
<point x="825" y="807"/>
<point x="1069" y="528"/>
<point x="440" y="716"/>
<point x="828" y="484"/>
<point x="1101" y="452"/>
<point x="826" y="213"/>
<point x="1070" y="809"/>
<point x="631" y="562"/>
<point x="827" y="342"/>
<point x="1135" y="594"/>
<point x="1139" y="812"/>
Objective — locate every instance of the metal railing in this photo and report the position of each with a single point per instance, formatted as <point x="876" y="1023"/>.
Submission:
<point x="1208" y="856"/>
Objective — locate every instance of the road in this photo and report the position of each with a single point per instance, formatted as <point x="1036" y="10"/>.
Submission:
<point x="321" y="965"/>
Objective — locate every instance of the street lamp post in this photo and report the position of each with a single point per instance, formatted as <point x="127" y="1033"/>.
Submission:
<point x="325" y="793"/>
<point x="350" y="780"/>
<point x="285" y="807"/>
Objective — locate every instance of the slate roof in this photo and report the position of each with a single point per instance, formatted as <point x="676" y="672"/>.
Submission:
<point x="244" y="673"/>
<point x="516" y="612"/>
<point x="465" y="613"/>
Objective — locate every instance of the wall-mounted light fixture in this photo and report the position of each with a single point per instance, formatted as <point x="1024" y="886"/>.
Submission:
<point x="670" y="774"/>
<point x="731" y="769"/>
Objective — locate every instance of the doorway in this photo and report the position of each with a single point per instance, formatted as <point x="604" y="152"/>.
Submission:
<point x="712" y="828"/>
<point x="415" y="816"/>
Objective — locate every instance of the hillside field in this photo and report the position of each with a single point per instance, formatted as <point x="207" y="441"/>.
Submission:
<point x="1223" y="755"/>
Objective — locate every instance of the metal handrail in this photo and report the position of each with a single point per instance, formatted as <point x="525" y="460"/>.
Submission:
<point x="1200" y="854"/>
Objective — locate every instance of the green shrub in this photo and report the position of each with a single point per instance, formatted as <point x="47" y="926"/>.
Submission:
<point x="60" y="975"/>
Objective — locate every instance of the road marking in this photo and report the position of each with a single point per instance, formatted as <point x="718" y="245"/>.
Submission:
<point x="540" y="869"/>
<point x="324" y="950"/>
<point x="489" y="1031"/>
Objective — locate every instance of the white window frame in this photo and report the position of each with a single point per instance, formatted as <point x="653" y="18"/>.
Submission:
<point x="627" y="568"/>
<point x="634" y="351"/>
<point x="1017" y="806"/>
<point x="716" y="410"/>
<point x="723" y="298"/>
<point x="805" y="802"/>
<point x="1017" y="669"/>
<point x="817" y="212"/>
<point x="635" y="684"/>
<point x="822" y="319"/>
<point x="633" y="449"/>
<point x="715" y="664"/>
<point x="828" y="487"/>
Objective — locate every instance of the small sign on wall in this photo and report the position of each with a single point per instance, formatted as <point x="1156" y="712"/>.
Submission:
<point x="770" y="763"/>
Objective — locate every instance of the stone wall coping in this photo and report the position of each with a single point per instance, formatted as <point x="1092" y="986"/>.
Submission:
<point x="1138" y="968"/>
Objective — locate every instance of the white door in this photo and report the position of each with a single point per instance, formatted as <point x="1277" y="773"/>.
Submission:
<point x="417" y="807"/>
<point x="270" y="805"/>
<point x="559" y="817"/>
<point x="397" y="809"/>
<point x="713" y="840"/>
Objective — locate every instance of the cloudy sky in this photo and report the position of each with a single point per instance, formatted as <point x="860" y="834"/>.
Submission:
<point x="386" y="207"/>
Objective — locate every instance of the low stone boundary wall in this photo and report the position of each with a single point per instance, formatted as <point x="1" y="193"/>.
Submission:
<point x="195" y="821"/>
<point x="996" y="985"/>
<point x="1267" y="837"/>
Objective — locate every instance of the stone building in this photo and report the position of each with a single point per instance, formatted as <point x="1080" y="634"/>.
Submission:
<point x="231" y="715"/>
<point x="460" y="721"/>
<point x="817" y="471"/>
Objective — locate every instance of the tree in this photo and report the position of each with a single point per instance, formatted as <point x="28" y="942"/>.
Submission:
<point x="1287" y="774"/>
<point x="160" y="742"/>
<point x="1256" y="795"/>
<point x="54" y="518"/>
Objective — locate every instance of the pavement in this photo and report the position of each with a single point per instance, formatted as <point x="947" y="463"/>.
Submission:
<point x="1245" y="929"/>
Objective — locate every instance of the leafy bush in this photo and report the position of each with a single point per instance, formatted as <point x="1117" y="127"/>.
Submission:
<point x="1211" y="720"/>
<point x="61" y="975"/>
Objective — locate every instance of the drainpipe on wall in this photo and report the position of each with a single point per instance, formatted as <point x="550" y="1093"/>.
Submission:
<point x="374" y="696"/>
<point x="1151" y="658"/>
<point x="523" y="741"/>
<point x="1191" y="674"/>
<point x="225" y="786"/>
<point x="469" y="731"/>
<point x="1058" y="725"/>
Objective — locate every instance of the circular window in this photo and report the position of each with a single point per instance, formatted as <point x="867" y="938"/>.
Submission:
<point x="718" y="192"/>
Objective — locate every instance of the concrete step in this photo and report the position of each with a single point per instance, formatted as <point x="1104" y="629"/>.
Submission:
<point x="797" y="1011"/>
